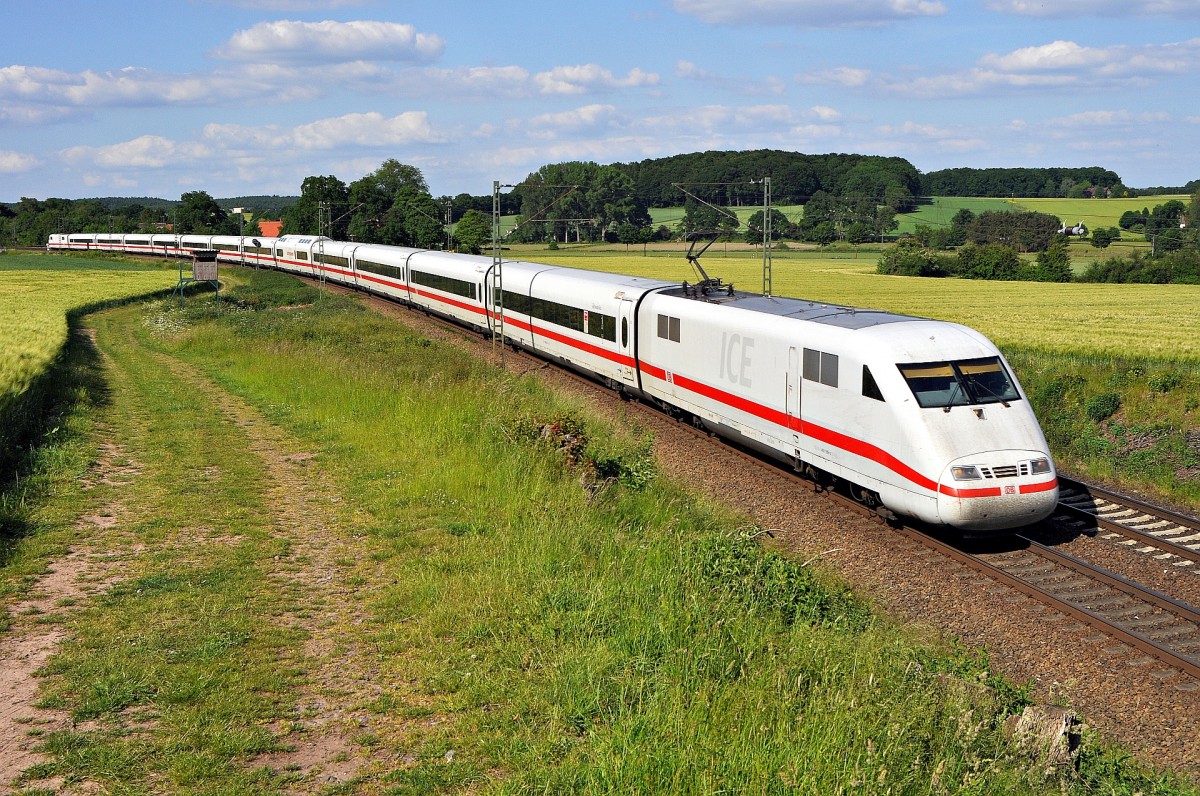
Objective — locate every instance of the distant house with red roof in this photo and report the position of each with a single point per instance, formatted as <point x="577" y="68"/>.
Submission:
<point x="270" y="229"/>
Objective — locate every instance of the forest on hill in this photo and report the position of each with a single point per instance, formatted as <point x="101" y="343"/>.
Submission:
<point x="734" y="178"/>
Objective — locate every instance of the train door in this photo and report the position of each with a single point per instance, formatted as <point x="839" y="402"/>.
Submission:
<point x="489" y="300"/>
<point x="793" y="397"/>
<point x="625" y="342"/>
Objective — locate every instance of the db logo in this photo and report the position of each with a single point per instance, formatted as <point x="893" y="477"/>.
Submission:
<point x="1010" y="490"/>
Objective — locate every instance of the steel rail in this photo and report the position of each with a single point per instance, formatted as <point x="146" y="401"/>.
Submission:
<point x="1148" y="511"/>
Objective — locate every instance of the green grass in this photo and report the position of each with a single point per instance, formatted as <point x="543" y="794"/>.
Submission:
<point x="36" y="297"/>
<point x="527" y="634"/>
<point x="937" y="211"/>
<point x="1095" y="212"/>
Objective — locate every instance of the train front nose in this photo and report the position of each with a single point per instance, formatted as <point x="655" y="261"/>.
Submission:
<point x="997" y="490"/>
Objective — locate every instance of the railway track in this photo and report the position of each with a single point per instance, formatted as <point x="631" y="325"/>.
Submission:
<point x="1152" y="625"/>
<point x="1170" y="537"/>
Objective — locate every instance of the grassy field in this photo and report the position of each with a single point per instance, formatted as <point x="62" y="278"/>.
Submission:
<point x="338" y="528"/>
<point x="937" y="211"/>
<point x="36" y="296"/>
<point x="1095" y="212"/>
<point x="1153" y="321"/>
<point x="37" y="293"/>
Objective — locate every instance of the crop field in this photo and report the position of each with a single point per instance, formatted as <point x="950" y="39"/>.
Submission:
<point x="937" y="211"/>
<point x="34" y="305"/>
<point x="1150" y="321"/>
<point x="671" y="216"/>
<point x="1094" y="212"/>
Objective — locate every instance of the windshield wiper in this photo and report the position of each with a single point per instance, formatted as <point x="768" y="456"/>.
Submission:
<point x="954" y="392"/>
<point x="989" y="391"/>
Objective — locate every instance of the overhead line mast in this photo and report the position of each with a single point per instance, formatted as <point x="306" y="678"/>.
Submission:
<point x="496" y="304"/>
<point x="767" y="232"/>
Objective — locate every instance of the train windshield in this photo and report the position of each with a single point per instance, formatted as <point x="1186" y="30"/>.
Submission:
<point x="967" y="381"/>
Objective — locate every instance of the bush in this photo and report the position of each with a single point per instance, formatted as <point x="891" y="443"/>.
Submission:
<point x="1164" y="382"/>
<point x="909" y="258"/>
<point x="989" y="261"/>
<point x="1101" y="407"/>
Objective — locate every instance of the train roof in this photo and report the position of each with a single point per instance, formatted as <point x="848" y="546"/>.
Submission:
<point x="800" y="309"/>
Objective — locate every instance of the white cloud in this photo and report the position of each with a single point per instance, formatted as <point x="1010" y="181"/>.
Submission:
<point x="147" y="151"/>
<point x="825" y="113"/>
<point x="587" y="78"/>
<point x="32" y="86"/>
<point x="1062" y="65"/>
<point x="1095" y="119"/>
<point x="1127" y="9"/>
<point x="16" y="162"/>
<point x="687" y="70"/>
<point x="845" y="76"/>
<point x="473" y="83"/>
<point x="1056" y="55"/>
<point x="353" y="129"/>
<point x="332" y="42"/>
<point x="586" y="116"/>
<point x="808" y="13"/>
<point x="911" y="129"/>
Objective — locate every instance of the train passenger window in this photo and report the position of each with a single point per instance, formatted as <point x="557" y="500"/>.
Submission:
<point x="559" y="314"/>
<point x="517" y="302"/>
<point x="668" y="328"/>
<point x="447" y="284"/>
<point x="821" y="367"/>
<point x="600" y="325"/>
<point x="870" y="388"/>
<point x="934" y="384"/>
<point x="812" y="364"/>
<point x="829" y="369"/>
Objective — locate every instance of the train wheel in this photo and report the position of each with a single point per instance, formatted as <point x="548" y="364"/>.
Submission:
<point x="865" y="496"/>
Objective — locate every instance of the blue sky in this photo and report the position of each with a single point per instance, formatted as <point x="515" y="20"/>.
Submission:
<point x="236" y="97"/>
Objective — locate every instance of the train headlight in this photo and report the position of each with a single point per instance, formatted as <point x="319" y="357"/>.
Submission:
<point x="965" y="472"/>
<point x="1039" y="467"/>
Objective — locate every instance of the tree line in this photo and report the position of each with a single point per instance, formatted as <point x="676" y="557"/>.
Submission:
<point x="1048" y="183"/>
<point x="734" y="178"/>
<point x="30" y="222"/>
<point x="850" y="198"/>
<point x="989" y="246"/>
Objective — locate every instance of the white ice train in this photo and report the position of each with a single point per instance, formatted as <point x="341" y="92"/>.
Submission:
<point x="924" y="418"/>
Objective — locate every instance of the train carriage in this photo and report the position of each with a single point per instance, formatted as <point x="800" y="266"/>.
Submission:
<point x="450" y="285"/>
<point x="293" y="253"/>
<point x="587" y="319"/>
<point x="332" y="259"/>
<point x="382" y="270"/>
<point x="848" y="392"/>
<point x="164" y="245"/>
